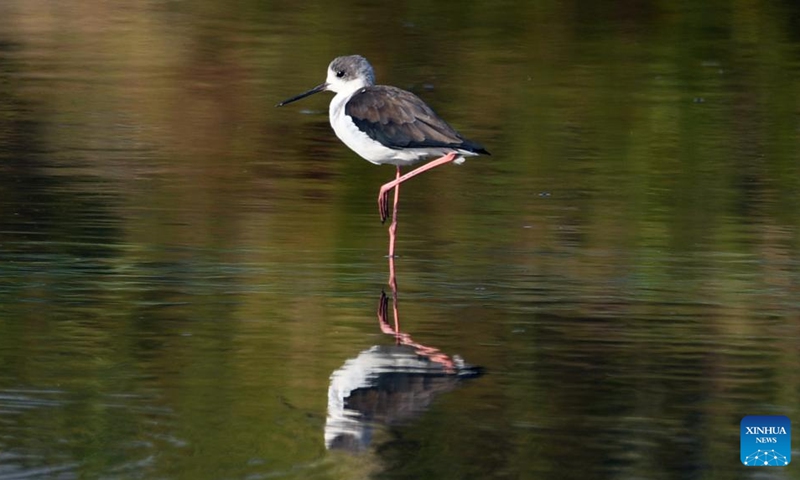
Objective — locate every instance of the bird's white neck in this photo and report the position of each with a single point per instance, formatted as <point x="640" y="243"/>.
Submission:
<point x="343" y="93"/>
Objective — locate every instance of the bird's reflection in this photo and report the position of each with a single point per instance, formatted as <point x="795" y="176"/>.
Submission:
<point x="386" y="385"/>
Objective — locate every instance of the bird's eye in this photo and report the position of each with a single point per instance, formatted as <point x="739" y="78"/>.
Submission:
<point x="339" y="73"/>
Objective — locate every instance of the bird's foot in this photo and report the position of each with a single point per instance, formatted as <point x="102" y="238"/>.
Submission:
<point x="383" y="203"/>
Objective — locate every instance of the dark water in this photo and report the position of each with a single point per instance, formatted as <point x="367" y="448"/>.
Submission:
<point x="184" y="268"/>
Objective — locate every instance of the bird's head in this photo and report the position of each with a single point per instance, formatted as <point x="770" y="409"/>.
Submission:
<point x="345" y="75"/>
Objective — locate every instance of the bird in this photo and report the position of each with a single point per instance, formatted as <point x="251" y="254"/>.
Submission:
<point x="387" y="125"/>
<point x="388" y="385"/>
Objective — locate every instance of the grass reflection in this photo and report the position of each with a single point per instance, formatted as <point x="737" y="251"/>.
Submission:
<point x="183" y="266"/>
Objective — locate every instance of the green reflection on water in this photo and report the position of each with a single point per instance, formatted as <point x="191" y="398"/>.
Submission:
<point x="183" y="265"/>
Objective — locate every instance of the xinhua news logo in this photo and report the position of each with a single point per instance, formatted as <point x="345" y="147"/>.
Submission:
<point x="766" y="441"/>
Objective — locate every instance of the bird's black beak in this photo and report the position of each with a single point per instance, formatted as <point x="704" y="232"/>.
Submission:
<point x="319" y="88"/>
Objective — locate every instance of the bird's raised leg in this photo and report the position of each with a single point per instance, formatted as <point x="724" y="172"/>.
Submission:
<point x="383" y="198"/>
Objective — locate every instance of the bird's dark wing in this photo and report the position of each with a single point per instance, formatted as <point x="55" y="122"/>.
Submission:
<point x="399" y="119"/>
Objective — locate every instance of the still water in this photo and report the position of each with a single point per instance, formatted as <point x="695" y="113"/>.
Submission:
<point x="189" y="277"/>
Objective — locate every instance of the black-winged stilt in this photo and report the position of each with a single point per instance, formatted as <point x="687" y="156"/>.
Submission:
<point x="387" y="125"/>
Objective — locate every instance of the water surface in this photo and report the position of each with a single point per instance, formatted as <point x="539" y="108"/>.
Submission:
<point x="183" y="267"/>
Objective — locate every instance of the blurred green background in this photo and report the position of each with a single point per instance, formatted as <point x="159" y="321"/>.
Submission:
<point x="182" y="265"/>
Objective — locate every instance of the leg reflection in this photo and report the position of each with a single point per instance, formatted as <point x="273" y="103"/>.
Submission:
<point x="434" y="354"/>
<point x="387" y="385"/>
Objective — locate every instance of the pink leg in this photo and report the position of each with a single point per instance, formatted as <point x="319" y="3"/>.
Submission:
<point x="383" y="322"/>
<point x="401" y="338"/>
<point x="393" y="226"/>
<point x="383" y="206"/>
<point x="392" y="237"/>
<point x="383" y="199"/>
<point x="393" y="286"/>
